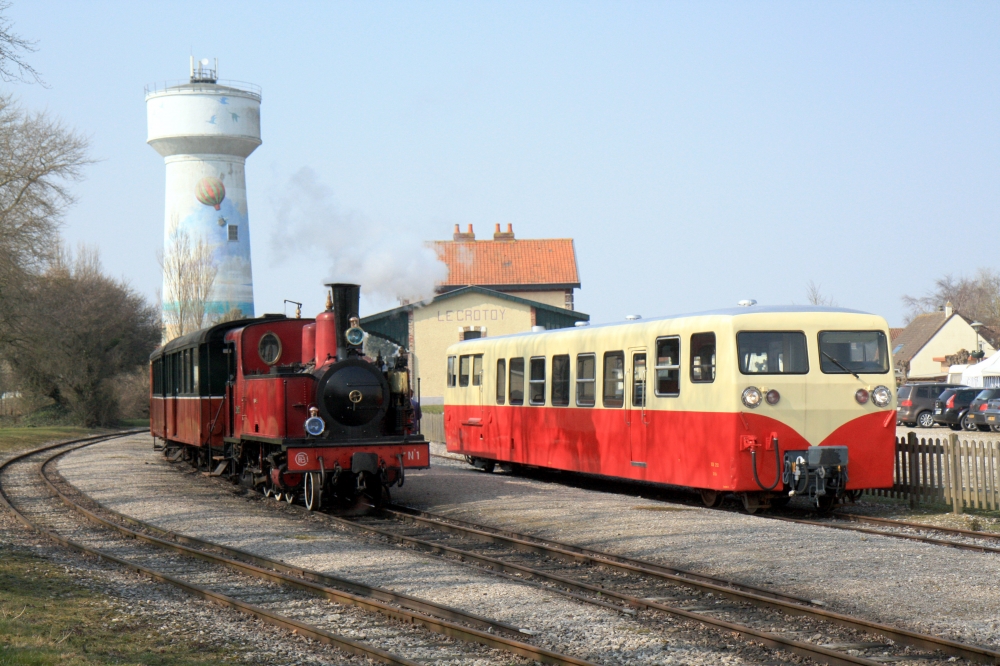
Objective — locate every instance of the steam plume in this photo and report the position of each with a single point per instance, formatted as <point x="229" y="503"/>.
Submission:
<point x="386" y="262"/>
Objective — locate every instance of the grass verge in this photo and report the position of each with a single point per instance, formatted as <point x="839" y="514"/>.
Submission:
<point x="17" y="439"/>
<point x="47" y="617"/>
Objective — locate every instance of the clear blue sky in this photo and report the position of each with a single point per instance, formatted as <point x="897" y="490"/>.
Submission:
<point x="698" y="153"/>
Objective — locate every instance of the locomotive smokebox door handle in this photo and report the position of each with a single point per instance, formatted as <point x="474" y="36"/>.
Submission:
<point x="355" y="396"/>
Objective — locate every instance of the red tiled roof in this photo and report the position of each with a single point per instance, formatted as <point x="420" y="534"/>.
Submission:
<point x="550" y="261"/>
<point x="894" y="333"/>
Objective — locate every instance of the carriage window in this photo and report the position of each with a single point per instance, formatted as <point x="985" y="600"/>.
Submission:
<point x="703" y="357"/>
<point x="638" y="380"/>
<point x="614" y="379"/>
<point x="477" y="370"/>
<point x="186" y="377"/>
<point x="517" y="381"/>
<point x="586" y="384"/>
<point x="560" y="380"/>
<point x="536" y="383"/>
<point x="501" y="380"/>
<point x="451" y="372"/>
<point x="464" y="365"/>
<point x="668" y="366"/>
<point x="772" y="353"/>
<point x="857" y="351"/>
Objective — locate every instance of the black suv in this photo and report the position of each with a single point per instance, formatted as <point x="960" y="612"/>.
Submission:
<point x="952" y="407"/>
<point x="916" y="403"/>
<point x="977" y="409"/>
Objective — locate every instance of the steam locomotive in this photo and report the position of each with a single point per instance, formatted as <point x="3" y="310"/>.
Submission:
<point x="289" y="407"/>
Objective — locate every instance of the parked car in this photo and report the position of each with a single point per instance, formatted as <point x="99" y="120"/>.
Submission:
<point x="952" y="408"/>
<point x="991" y="415"/>
<point x="977" y="408"/>
<point x="916" y="403"/>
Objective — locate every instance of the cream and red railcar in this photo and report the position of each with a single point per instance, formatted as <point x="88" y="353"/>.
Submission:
<point x="761" y="402"/>
<point x="290" y="407"/>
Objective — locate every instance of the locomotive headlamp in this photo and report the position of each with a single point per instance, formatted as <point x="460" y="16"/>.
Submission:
<point x="355" y="336"/>
<point x="861" y="396"/>
<point x="772" y="397"/>
<point x="751" y="397"/>
<point x="315" y="426"/>
<point x="881" y="396"/>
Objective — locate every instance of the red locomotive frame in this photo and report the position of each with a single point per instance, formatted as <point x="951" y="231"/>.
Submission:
<point x="237" y="397"/>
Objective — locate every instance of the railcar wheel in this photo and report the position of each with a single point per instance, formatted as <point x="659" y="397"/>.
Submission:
<point x="854" y="495"/>
<point x="711" y="498"/>
<point x="751" y="502"/>
<point x="826" y="503"/>
<point x="925" y="420"/>
<point x="313" y="491"/>
<point x="779" y="501"/>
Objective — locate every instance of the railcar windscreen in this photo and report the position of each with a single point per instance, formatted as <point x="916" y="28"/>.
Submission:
<point x="772" y="353"/>
<point x="853" y="351"/>
<point x="477" y="370"/>
<point x="463" y="370"/>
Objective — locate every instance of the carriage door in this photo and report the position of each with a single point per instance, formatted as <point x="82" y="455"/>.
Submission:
<point x="230" y="352"/>
<point x="636" y="417"/>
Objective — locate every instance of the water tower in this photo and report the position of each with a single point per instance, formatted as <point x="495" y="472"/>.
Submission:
<point x="205" y="129"/>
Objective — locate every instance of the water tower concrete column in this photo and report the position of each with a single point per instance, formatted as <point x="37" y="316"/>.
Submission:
<point x="205" y="129"/>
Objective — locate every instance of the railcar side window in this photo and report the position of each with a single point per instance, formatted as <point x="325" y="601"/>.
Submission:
<point x="855" y="351"/>
<point x="614" y="379"/>
<point x="451" y="372"/>
<point x="586" y="380"/>
<point x="560" y="380"/>
<point x="668" y="366"/>
<point x="703" y="357"/>
<point x="477" y="370"/>
<point x="638" y="380"/>
<point x="772" y="352"/>
<point x="517" y="381"/>
<point x="464" y="365"/>
<point x="501" y="381"/>
<point x="536" y="383"/>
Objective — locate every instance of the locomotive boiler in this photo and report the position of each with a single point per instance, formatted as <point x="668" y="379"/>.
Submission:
<point x="290" y="407"/>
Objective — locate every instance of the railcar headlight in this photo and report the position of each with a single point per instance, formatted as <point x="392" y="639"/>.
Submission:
<point x="881" y="396"/>
<point x="751" y="397"/>
<point x="772" y="397"/>
<point x="315" y="426"/>
<point x="861" y="396"/>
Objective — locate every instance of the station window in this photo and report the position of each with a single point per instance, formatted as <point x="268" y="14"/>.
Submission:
<point x="477" y="370"/>
<point x="614" y="379"/>
<point x="517" y="381"/>
<point x="501" y="381"/>
<point x="703" y="357"/>
<point x="560" y="380"/>
<point x="464" y="367"/>
<point x="451" y="372"/>
<point x="536" y="383"/>
<point x="586" y="380"/>
<point x="668" y="366"/>
<point x="234" y="233"/>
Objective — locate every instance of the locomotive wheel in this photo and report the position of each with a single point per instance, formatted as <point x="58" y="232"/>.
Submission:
<point x="313" y="491"/>
<point x="711" y="498"/>
<point x="751" y="502"/>
<point x="276" y="494"/>
<point x="268" y="490"/>
<point x="289" y="497"/>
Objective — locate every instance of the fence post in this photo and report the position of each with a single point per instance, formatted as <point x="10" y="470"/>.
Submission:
<point x="911" y="441"/>
<point x="956" y="475"/>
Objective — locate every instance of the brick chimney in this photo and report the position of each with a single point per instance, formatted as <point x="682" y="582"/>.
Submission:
<point x="467" y="236"/>
<point x="504" y="235"/>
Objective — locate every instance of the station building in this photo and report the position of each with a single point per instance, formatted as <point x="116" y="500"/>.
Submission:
<point x="494" y="287"/>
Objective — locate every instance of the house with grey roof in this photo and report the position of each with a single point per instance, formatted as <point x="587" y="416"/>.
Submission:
<point x="921" y="351"/>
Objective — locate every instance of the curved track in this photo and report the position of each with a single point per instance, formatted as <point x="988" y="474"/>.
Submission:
<point x="264" y="588"/>
<point x="626" y="584"/>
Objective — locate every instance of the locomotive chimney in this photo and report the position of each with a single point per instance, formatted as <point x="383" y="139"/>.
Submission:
<point x="325" y="341"/>
<point x="346" y="304"/>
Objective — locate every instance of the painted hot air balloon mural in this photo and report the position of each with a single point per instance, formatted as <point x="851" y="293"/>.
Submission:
<point x="210" y="191"/>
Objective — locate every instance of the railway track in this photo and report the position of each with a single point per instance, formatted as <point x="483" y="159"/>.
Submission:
<point x="768" y="617"/>
<point x="384" y="626"/>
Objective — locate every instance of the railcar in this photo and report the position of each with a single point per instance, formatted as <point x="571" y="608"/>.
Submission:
<point x="290" y="407"/>
<point x="762" y="402"/>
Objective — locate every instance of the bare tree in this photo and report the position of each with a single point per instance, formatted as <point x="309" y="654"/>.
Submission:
<point x="816" y="297"/>
<point x="39" y="158"/>
<point x="13" y="67"/>
<point x="975" y="298"/>
<point x="189" y="273"/>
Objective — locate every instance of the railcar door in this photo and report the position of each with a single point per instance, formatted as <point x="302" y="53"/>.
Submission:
<point x="635" y="414"/>
<point x="230" y="352"/>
